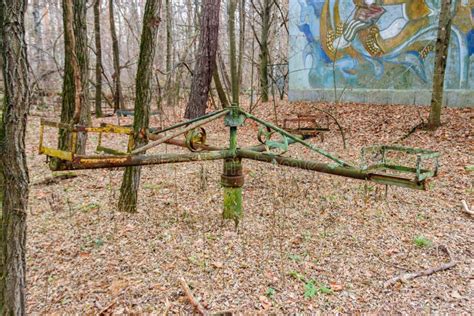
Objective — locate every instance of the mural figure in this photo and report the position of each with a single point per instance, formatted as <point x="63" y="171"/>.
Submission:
<point x="367" y="43"/>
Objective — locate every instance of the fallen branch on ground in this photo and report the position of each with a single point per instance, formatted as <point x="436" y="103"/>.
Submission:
<point x="467" y="210"/>
<point x="410" y="276"/>
<point x="197" y="306"/>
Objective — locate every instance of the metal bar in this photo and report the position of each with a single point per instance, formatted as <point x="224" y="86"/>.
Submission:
<point x="181" y="143"/>
<point x="40" y="146"/>
<point x="408" y="150"/>
<point x="179" y="132"/>
<point x="291" y="136"/>
<point x="349" y="172"/>
<point x="57" y="153"/>
<point x="189" y="122"/>
<point x="97" y="162"/>
<point x="262" y="147"/>
<point x="110" y="151"/>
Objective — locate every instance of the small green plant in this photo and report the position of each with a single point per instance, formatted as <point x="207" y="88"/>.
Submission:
<point x="310" y="289"/>
<point x="270" y="292"/>
<point x="296" y="275"/>
<point x="421" y="241"/>
<point x="89" y="207"/>
<point x="324" y="289"/>
<point x="296" y="258"/>
<point x="313" y="288"/>
<point x="421" y="217"/>
<point x="195" y="260"/>
<point x="152" y="186"/>
<point x="98" y="242"/>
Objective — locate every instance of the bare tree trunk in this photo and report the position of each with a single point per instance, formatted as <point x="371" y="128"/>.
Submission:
<point x="169" y="51"/>
<point x="220" y="89"/>
<point x="232" y="5"/>
<point x="206" y="59"/>
<point x="241" y="39"/>
<point x="118" y="96"/>
<point x="98" y="60"/>
<point x="13" y="158"/>
<point x="441" y="51"/>
<point x="131" y="177"/>
<point x="265" y="16"/>
<point x="264" y="50"/>
<point x="38" y="37"/>
<point x="75" y="108"/>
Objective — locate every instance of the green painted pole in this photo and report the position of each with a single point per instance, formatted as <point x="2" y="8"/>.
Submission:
<point x="232" y="178"/>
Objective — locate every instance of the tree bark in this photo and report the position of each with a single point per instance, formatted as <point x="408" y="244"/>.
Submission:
<point x="13" y="158"/>
<point x="206" y="60"/>
<point x="118" y="96"/>
<point x="441" y="57"/>
<point x="98" y="60"/>
<point x="75" y="108"/>
<point x="265" y="16"/>
<point x="240" y="62"/>
<point x="220" y="89"/>
<point x="131" y="177"/>
<point x="231" y="7"/>
<point x="169" y="52"/>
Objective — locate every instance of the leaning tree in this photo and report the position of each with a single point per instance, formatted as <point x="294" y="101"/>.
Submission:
<point x="131" y="177"/>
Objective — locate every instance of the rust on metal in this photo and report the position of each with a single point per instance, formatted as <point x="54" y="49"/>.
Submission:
<point x="306" y="125"/>
<point x="179" y="132"/>
<point x="383" y="171"/>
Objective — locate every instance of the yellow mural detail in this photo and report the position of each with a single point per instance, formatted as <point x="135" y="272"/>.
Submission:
<point x="417" y="13"/>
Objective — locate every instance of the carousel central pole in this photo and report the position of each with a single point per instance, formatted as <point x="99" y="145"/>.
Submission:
<point x="232" y="178"/>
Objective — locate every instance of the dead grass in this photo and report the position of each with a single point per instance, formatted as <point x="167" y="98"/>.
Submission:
<point x="84" y="257"/>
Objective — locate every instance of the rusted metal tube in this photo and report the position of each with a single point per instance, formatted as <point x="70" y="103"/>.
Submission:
<point x="179" y="132"/>
<point x="96" y="162"/>
<point x="232" y="180"/>
<point x="349" y="172"/>
<point x="296" y="139"/>
<point x="181" y="143"/>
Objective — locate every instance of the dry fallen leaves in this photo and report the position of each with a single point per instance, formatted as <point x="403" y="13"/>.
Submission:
<point x="83" y="252"/>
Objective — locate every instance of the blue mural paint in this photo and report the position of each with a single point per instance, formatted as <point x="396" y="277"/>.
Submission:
<point x="373" y="44"/>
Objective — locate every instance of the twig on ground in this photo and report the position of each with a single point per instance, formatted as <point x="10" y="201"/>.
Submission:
<point x="167" y="308"/>
<point x="197" y="306"/>
<point x="106" y="309"/>
<point x="466" y="208"/>
<point x="413" y="130"/>
<point x="410" y="276"/>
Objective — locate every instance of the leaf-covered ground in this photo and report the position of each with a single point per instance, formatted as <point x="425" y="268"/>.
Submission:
<point x="308" y="242"/>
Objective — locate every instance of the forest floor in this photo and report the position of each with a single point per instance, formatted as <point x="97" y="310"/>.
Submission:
<point x="308" y="241"/>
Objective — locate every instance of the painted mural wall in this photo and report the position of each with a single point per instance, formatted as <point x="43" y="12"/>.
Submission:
<point x="385" y="45"/>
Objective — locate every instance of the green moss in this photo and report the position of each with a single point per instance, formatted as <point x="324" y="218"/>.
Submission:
<point x="233" y="204"/>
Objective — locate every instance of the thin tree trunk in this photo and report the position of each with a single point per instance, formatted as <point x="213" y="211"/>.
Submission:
<point x="206" y="59"/>
<point x="13" y="159"/>
<point x="240" y="62"/>
<point x="98" y="60"/>
<point x="131" y="177"/>
<point x="118" y="96"/>
<point x="232" y="5"/>
<point x="169" y="52"/>
<point x="220" y="89"/>
<point x="38" y="38"/>
<point x="441" y="56"/>
<point x="265" y="16"/>
<point x="75" y="108"/>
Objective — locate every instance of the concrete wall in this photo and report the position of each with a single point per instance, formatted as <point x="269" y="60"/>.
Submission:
<point x="379" y="53"/>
